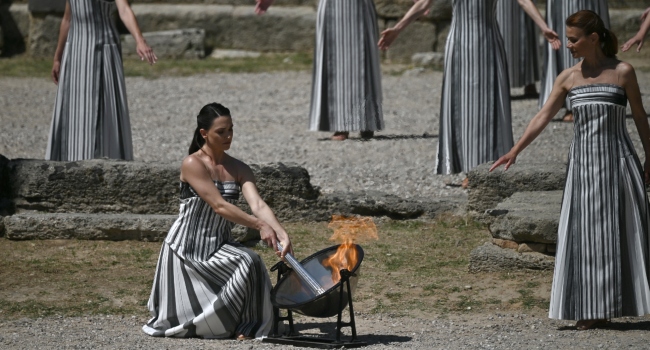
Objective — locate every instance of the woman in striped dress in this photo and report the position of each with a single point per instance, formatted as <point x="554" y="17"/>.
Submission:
<point x="91" y="117"/>
<point x="557" y="61"/>
<point x="475" y="120"/>
<point x="602" y="264"/>
<point x="520" y="43"/>
<point x="346" y="87"/>
<point x="207" y="285"/>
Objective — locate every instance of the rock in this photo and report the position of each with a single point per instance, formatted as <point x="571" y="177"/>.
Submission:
<point x="428" y="59"/>
<point x="14" y="28"/>
<point x="420" y="37"/>
<point x="491" y="258"/>
<point x="180" y="43"/>
<point x="486" y="189"/>
<point x="44" y="34"/>
<point x="112" y="227"/>
<point x="532" y="247"/>
<point x="527" y="217"/>
<point x="47" y="6"/>
<point x="245" y="234"/>
<point x="222" y="53"/>
<point x="551" y="248"/>
<point x="506" y="244"/>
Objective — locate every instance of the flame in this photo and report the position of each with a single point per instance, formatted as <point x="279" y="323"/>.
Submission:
<point x="348" y="230"/>
<point x="346" y="257"/>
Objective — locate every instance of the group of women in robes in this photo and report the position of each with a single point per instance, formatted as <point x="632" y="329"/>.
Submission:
<point x="206" y="285"/>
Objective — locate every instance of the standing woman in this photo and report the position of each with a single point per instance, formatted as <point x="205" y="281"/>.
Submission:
<point x="602" y="264"/>
<point x="475" y="119"/>
<point x="206" y="284"/>
<point x="520" y="41"/>
<point x="558" y="60"/>
<point x="91" y="117"/>
<point x="346" y="87"/>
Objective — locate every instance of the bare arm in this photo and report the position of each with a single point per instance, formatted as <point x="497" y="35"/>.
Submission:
<point x="389" y="35"/>
<point x="639" y="37"/>
<point x="531" y="10"/>
<point x="631" y="85"/>
<point x="539" y="121"/>
<point x="261" y="210"/>
<point x="60" y="46"/>
<point x="194" y="172"/>
<point x="128" y="18"/>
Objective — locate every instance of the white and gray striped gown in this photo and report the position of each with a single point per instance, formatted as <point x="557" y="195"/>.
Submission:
<point x="475" y="116"/>
<point x="557" y="11"/>
<point x="520" y="39"/>
<point x="601" y="264"/>
<point x="206" y="285"/>
<point x="91" y="118"/>
<point x="346" y="85"/>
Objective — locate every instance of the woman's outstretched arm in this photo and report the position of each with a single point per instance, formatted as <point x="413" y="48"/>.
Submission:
<point x="128" y="18"/>
<point x="262" y="5"/>
<point x="539" y="121"/>
<point x="193" y="171"/>
<point x="389" y="35"/>
<point x="60" y="45"/>
<point x="532" y="11"/>
<point x="639" y="37"/>
<point x="631" y="86"/>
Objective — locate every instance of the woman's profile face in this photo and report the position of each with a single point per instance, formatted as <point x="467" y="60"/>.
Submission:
<point x="577" y="42"/>
<point x="219" y="136"/>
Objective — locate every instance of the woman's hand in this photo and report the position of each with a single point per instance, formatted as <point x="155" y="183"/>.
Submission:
<point x="145" y="52"/>
<point x="508" y="159"/>
<point x="552" y="37"/>
<point x="387" y="37"/>
<point x="286" y="248"/>
<point x="268" y="235"/>
<point x="56" y="69"/>
<point x="635" y="40"/>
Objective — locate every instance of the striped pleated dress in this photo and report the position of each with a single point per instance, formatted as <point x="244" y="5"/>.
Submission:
<point x="520" y="39"/>
<point x="601" y="264"/>
<point x="475" y="116"/>
<point x="557" y="11"/>
<point x="91" y="117"/>
<point x="346" y="85"/>
<point x="206" y="285"/>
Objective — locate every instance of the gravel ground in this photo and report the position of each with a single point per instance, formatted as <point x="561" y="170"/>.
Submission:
<point x="270" y="114"/>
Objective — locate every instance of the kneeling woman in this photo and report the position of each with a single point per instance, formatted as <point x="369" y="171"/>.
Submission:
<point x="206" y="285"/>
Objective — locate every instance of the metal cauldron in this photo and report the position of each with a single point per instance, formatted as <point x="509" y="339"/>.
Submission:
<point x="291" y="293"/>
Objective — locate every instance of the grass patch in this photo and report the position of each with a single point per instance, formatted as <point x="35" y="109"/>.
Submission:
<point x="24" y="66"/>
<point x="415" y="268"/>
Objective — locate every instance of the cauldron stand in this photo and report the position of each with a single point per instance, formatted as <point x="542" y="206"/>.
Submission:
<point x="312" y="341"/>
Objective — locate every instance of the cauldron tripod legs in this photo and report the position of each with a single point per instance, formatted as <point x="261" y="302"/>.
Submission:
<point x="282" y="268"/>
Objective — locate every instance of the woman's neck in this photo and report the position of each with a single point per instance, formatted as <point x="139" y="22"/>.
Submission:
<point x="595" y="61"/>
<point x="216" y="156"/>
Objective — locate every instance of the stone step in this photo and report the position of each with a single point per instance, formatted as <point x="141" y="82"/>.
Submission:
<point x="487" y="189"/>
<point x="491" y="258"/>
<point x="530" y="217"/>
<point x="111" y="227"/>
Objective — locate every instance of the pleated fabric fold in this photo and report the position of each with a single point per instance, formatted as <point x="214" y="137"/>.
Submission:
<point x="520" y="39"/>
<point x="346" y="84"/>
<point x="602" y="266"/>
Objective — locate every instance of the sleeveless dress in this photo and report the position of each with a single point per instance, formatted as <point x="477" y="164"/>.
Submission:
<point x="206" y="285"/>
<point x="520" y="39"/>
<point x="601" y="264"/>
<point x="475" y="116"/>
<point x="346" y="83"/>
<point x="557" y="11"/>
<point x="91" y="117"/>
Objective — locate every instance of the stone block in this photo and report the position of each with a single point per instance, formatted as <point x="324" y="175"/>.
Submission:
<point x="530" y="217"/>
<point x="429" y="59"/>
<point x="442" y="36"/>
<point x="506" y="244"/>
<point x="47" y="6"/>
<point x="174" y="44"/>
<point x="111" y="227"/>
<point x="491" y="258"/>
<point x="420" y="36"/>
<point x="532" y="248"/>
<point x="44" y="34"/>
<point x="486" y="189"/>
<point x="245" y="234"/>
<point x="14" y="28"/>
<point x="224" y="54"/>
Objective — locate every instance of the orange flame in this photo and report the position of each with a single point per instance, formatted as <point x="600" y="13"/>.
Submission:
<point x="348" y="230"/>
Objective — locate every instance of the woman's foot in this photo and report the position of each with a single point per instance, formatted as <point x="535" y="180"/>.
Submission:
<point x="242" y="337"/>
<point x="366" y="134"/>
<point x="465" y="183"/>
<point x="568" y="117"/>
<point x="584" y="325"/>
<point x="340" y="136"/>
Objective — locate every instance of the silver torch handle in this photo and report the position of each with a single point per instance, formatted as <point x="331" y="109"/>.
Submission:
<point x="314" y="286"/>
